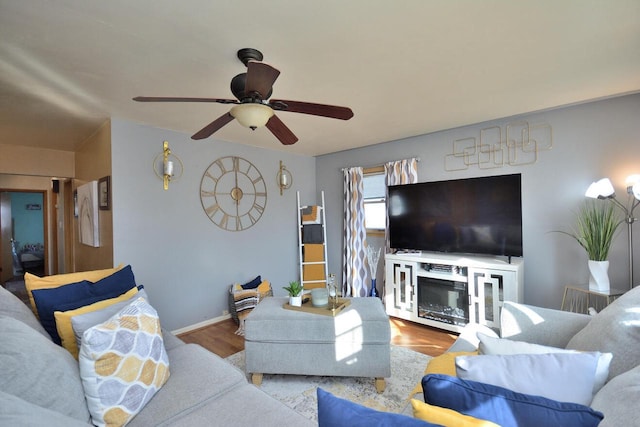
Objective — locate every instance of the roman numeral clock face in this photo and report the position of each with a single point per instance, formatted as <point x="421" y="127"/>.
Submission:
<point x="233" y="193"/>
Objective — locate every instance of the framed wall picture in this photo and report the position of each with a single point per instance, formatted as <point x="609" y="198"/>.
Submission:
<point x="104" y="193"/>
<point x="88" y="218"/>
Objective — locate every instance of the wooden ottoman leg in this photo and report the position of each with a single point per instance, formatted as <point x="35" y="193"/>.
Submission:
<point x="380" y="385"/>
<point x="256" y="379"/>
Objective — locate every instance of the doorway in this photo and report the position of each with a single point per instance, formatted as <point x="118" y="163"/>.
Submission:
<point x="23" y="233"/>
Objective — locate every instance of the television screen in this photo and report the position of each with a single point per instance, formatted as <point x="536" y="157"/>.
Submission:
<point x="475" y="215"/>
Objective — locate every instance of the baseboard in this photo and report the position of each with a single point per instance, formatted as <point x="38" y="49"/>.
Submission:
<point x="201" y="324"/>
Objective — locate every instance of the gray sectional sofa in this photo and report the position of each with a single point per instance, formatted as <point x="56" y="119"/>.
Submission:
<point x="615" y="329"/>
<point x="40" y="383"/>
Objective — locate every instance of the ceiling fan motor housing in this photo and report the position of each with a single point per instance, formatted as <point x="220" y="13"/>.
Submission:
<point x="238" y="84"/>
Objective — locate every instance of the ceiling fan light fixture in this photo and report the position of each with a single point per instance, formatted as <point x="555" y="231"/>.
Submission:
<point x="252" y="115"/>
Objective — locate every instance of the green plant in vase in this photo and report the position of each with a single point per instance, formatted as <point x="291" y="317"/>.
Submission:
<point x="295" y="293"/>
<point x="595" y="229"/>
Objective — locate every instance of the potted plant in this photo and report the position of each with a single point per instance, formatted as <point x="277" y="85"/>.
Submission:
<point x="295" y="293"/>
<point x="596" y="225"/>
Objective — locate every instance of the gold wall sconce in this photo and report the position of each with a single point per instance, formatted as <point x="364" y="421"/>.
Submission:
<point x="284" y="178"/>
<point x="167" y="166"/>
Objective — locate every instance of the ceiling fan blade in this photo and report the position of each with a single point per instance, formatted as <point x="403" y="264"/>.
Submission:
<point x="331" y="111"/>
<point x="281" y="131"/>
<point x="260" y="78"/>
<point x="212" y="127"/>
<point x="179" y="99"/>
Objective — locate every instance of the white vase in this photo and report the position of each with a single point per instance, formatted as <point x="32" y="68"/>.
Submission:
<point x="295" y="301"/>
<point x="599" y="276"/>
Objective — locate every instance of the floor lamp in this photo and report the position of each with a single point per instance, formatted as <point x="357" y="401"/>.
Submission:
<point x="603" y="189"/>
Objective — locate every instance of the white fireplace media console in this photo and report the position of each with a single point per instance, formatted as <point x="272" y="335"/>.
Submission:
<point x="448" y="291"/>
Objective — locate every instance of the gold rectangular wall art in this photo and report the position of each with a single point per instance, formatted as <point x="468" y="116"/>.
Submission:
<point x="517" y="144"/>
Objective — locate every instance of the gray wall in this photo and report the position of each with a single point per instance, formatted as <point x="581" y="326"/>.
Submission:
<point x="184" y="260"/>
<point x="591" y="141"/>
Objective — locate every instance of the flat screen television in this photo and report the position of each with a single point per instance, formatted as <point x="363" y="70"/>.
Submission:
<point x="470" y="216"/>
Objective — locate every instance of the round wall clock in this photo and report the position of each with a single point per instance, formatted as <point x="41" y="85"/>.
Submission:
<point x="233" y="193"/>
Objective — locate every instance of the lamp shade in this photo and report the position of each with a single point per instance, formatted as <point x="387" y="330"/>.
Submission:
<point x="602" y="189"/>
<point x="633" y="179"/>
<point x="252" y="115"/>
<point x="635" y="190"/>
<point x="284" y="180"/>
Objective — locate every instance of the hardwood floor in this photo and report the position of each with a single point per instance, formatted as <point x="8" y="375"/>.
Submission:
<point x="220" y="338"/>
<point x="420" y="338"/>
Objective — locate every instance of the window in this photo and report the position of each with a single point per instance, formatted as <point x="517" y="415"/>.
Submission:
<point x="375" y="210"/>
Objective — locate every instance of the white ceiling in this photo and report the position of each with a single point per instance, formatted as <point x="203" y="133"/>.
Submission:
<point x="405" y="67"/>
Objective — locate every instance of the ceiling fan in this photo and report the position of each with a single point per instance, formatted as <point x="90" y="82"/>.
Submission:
<point x="253" y="108"/>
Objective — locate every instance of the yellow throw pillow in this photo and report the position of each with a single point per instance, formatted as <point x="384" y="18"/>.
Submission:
<point x="444" y="364"/>
<point x="264" y="287"/>
<point x="63" y="319"/>
<point x="446" y="417"/>
<point x="33" y="282"/>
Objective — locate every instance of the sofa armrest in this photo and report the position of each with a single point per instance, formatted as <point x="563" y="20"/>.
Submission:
<point x="539" y="325"/>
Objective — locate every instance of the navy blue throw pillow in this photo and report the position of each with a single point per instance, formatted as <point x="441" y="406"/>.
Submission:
<point x="503" y="406"/>
<point x="336" y="412"/>
<point x="76" y="295"/>
<point x="252" y="284"/>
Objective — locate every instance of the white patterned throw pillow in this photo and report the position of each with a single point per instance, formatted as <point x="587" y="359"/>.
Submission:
<point x="123" y="363"/>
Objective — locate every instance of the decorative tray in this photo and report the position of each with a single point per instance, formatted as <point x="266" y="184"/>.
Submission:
<point x="307" y="307"/>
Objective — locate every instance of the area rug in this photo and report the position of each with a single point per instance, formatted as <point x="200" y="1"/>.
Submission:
<point x="299" y="391"/>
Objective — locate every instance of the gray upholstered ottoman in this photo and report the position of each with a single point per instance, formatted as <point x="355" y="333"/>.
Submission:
<point x="355" y="343"/>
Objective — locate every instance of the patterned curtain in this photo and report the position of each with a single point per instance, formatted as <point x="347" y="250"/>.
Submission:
<point x="354" y="271"/>
<point x="397" y="173"/>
